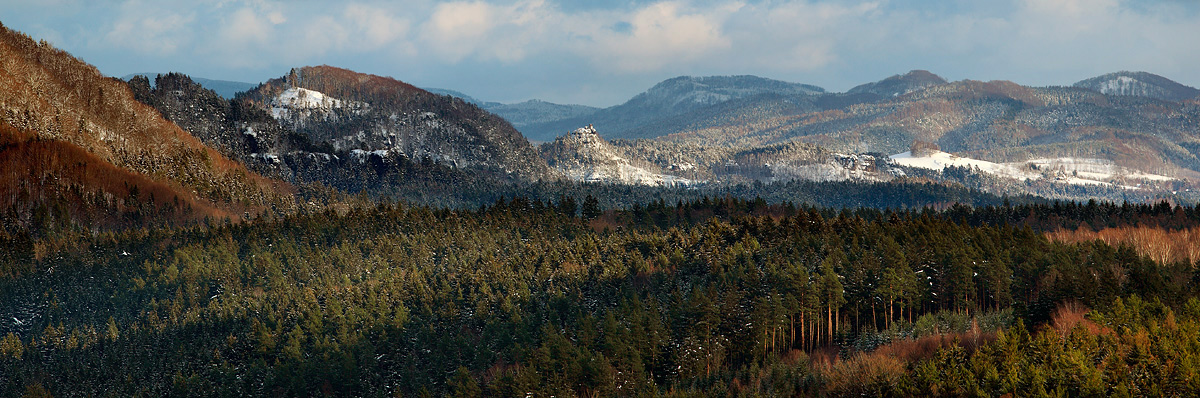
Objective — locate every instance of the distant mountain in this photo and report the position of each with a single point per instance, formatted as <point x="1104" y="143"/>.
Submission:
<point x="224" y="88"/>
<point x="1141" y="84"/>
<point x="523" y="115"/>
<point x="89" y="155"/>
<point x="453" y="93"/>
<point x="995" y="121"/>
<point x="583" y="155"/>
<point x="667" y="99"/>
<point x="900" y="84"/>
<point x="364" y="114"/>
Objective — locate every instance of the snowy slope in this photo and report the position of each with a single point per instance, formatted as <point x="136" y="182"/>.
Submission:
<point x="583" y="155"/>
<point x="1141" y="84"/>
<point x="1077" y="171"/>
<point x="941" y="160"/>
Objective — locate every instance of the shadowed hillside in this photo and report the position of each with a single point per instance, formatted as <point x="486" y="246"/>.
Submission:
<point x="86" y="140"/>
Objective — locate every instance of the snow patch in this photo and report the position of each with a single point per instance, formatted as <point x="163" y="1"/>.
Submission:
<point x="596" y="161"/>
<point x="941" y="160"/>
<point x="297" y="100"/>
<point x="1067" y="170"/>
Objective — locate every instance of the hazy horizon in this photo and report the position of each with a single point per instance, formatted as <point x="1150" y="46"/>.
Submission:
<point x="602" y="54"/>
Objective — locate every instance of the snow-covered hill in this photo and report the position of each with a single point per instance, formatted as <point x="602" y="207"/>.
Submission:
<point x="354" y="111"/>
<point x="1141" y="84"/>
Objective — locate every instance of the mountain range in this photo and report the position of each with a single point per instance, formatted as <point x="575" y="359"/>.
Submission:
<point x="677" y="96"/>
<point x="1134" y="120"/>
<point x="175" y="149"/>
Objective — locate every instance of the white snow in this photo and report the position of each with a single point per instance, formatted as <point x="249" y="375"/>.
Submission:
<point x="1122" y="85"/>
<point x="297" y="97"/>
<point x="302" y="99"/>
<point x="603" y="165"/>
<point x="941" y="160"/>
<point x="361" y="154"/>
<point x="1067" y="170"/>
<point x="1095" y="169"/>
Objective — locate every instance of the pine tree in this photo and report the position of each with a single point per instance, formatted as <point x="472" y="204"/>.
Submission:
<point x="591" y="208"/>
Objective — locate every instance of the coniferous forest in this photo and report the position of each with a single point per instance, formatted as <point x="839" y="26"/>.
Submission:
<point x="708" y="297"/>
<point x="332" y="233"/>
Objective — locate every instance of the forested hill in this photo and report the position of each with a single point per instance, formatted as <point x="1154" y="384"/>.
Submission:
<point x="522" y="297"/>
<point x="354" y="111"/>
<point x="78" y="151"/>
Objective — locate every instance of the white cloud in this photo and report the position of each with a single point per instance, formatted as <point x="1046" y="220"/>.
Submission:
<point x="506" y="33"/>
<point x="836" y="44"/>
<point x="660" y="34"/>
<point x="377" y="26"/>
<point x="455" y="30"/>
<point x="797" y="35"/>
<point x="149" y="30"/>
<point x="265" y="33"/>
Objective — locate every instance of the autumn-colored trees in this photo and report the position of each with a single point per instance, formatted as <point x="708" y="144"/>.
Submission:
<point x="1161" y="244"/>
<point x="522" y="296"/>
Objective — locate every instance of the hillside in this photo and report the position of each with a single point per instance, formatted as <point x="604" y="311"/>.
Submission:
<point x="100" y="159"/>
<point x="1141" y="84"/>
<point x="584" y="156"/>
<point x="454" y="93"/>
<point x="898" y="85"/>
<point x="698" y="297"/>
<point x="362" y="113"/>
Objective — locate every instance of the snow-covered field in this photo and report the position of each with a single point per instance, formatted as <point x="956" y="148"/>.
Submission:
<point x="300" y="99"/>
<point x="941" y="160"/>
<point x="1078" y="171"/>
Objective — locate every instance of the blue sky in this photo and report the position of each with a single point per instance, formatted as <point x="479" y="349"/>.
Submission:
<point x="602" y="53"/>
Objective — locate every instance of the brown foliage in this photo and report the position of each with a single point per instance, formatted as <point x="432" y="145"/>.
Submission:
<point x="1160" y="244"/>
<point x="923" y="148"/>
<point x="1070" y="314"/>
<point x="92" y="126"/>
<point x="886" y="365"/>
<point x="45" y="172"/>
<point x="861" y="373"/>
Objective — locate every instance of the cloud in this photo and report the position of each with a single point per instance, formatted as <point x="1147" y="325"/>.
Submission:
<point x="657" y="35"/>
<point x="543" y="46"/>
<point x="265" y="33"/>
<point x="377" y="27"/>
<point x="798" y="35"/>
<point x="496" y="32"/>
<point x="456" y="30"/>
<point x="149" y="30"/>
<point x="645" y="38"/>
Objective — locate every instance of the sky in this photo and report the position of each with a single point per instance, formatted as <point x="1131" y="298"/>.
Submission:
<point x="603" y="53"/>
